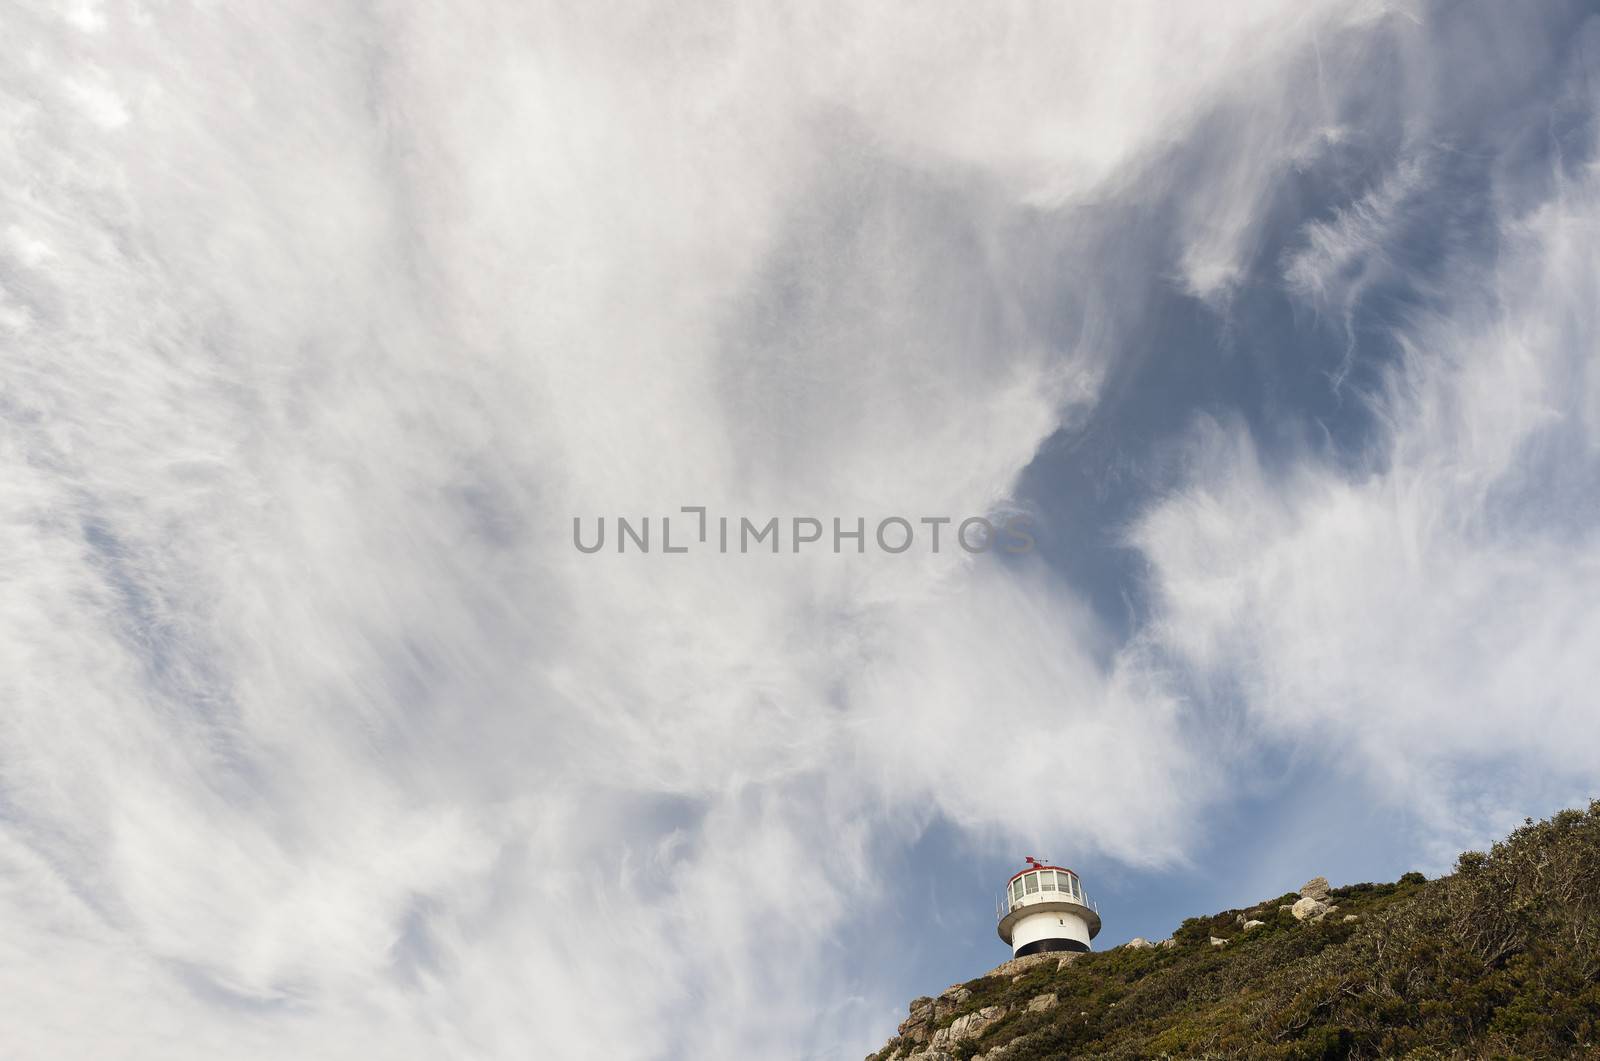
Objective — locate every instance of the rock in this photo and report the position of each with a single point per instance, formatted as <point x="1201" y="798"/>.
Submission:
<point x="1168" y="943"/>
<point x="1315" y="888"/>
<point x="1042" y="1002"/>
<point x="1285" y="908"/>
<point x="1215" y="942"/>
<point x="973" y="1024"/>
<point x="920" y="1013"/>
<point x="949" y="1001"/>
<point x="1350" y="917"/>
<point x="1017" y="966"/>
<point x="916" y="1028"/>
<point x="919" y="1025"/>
<point x="1139" y="943"/>
<point x="1248" y="925"/>
<point x="1309" y="907"/>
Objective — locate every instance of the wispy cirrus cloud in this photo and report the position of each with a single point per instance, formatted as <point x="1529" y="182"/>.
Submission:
<point x="321" y="327"/>
<point x="1422" y="615"/>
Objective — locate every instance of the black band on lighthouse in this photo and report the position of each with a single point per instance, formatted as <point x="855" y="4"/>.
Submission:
<point x="1046" y="946"/>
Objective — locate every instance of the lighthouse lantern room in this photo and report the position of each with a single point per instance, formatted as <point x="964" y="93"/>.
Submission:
<point x="1044" y="909"/>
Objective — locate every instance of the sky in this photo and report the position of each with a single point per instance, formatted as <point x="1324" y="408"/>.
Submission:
<point x="321" y="324"/>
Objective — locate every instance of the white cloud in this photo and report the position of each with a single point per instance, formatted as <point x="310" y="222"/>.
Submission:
<point x="319" y="733"/>
<point x="1423" y="618"/>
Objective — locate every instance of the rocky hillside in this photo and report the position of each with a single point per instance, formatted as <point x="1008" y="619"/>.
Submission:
<point x="1499" y="959"/>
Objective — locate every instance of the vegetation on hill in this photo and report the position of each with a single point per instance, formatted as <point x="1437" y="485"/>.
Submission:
<point x="1499" y="959"/>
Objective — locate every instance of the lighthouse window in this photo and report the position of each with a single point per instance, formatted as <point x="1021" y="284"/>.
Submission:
<point x="1047" y="880"/>
<point x="1033" y="882"/>
<point x="1016" y="889"/>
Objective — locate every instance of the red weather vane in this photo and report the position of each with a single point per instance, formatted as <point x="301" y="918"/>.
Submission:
<point x="1030" y="860"/>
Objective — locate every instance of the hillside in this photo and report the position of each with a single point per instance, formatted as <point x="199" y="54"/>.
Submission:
<point x="1501" y="958"/>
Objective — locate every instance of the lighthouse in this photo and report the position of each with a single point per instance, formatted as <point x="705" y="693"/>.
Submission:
<point x="1044" y="909"/>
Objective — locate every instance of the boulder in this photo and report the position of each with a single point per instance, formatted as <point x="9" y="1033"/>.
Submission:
<point x="1168" y="943"/>
<point x="998" y="1052"/>
<point x="919" y="1024"/>
<point x="1309" y="908"/>
<point x="1315" y="888"/>
<point x="1215" y="942"/>
<point x="973" y="1024"/>
<point x="917" y="1033"/>
<point x="1042" y="1002"/>
<point x="1140" y="943"/>
<point x="1017" y="966"/>
<point x="1248" y="925"/>
<point x="1350" y="917"/>
<point x="949" y="1000"/>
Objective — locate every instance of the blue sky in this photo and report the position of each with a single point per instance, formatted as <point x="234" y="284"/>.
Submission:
<point x="1297" y="380"/>
<point x="317" y="734"/>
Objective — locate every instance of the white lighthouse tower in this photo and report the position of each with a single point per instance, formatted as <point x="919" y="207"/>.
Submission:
<point x="1044" y="909"/>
